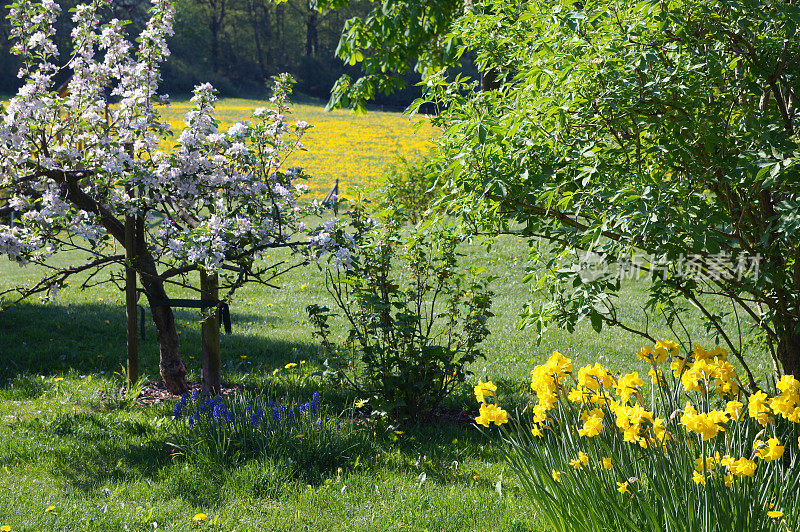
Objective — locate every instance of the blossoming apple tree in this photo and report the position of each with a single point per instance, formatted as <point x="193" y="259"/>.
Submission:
<point x="74" y="167"/>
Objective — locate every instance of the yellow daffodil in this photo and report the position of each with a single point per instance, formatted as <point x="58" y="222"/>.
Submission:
<point x="592" y="424"/>
<point x="707" y="425"/>
<point x="769" y="451"/>
<point x="484" y="390"/>
<point x="672" y="348"/>
<point x="595" y="378"/>
<point x="622" y="487"/>
<point x="628" y="385"/>
<point x="758" y="408"/>
<point x="607" y="463"/>
<point x="491" y="414"/>
<point x="678" y="366"/>
<point x="656" y="377"/>
<point x="556" y="475"/>
<point x="698" y="478"/>
<point x="743" y="467"/>
<point x="708" y="464"/>
<point x="200" y="517"/>
<point x="581" y="461"/>
<point x="734" y="409"/>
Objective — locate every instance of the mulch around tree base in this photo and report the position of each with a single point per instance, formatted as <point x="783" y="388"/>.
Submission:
<point x="155" y="392"/>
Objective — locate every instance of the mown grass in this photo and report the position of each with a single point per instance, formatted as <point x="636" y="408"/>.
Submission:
<point x="69" y="441"/>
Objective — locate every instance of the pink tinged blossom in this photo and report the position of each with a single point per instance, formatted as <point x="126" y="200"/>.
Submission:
<point x="238" y="149"/>
<point x="237" y="130"/>
<point x="208" y="170"/>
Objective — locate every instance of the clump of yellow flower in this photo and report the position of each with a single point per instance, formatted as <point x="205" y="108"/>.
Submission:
<point x="743" y="467"/>
<point x="595" y="402"/>
<point x="659" y="353"/>
<point x="698" y="478"/>
<point x="787" y="404"/>
<point x="758" y="407"/>
<point x="769" y="451"/>
<point x="707" y="425"/>
<point x="490" y="413"/>
<point x="628" y="385"/>
<point x="596" y="378"/>
<point x="639" y="425"/>
<point x="581" y="461"/>
<point x="545" y="380"/>
<point x="484" y="390"/>
<point x="592" y="423"/>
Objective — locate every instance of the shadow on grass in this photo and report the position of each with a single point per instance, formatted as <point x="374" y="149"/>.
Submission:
<point x="104" y="462"/>
<point x="96" y="450"/>
<point x="50" y="339"/>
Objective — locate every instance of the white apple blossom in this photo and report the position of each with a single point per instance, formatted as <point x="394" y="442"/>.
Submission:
<point x="73" y="162"/>
<point x="76" y="169"/>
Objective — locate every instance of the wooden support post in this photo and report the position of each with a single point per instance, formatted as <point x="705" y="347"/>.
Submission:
<point x="130" y="301"/>
<point x="209" y="350"/>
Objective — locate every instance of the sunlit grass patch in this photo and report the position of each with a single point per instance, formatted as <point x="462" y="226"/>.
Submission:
<point x="353" y="148"/>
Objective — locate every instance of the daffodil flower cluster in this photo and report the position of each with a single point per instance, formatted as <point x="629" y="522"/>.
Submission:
<point x="592" y="430"/>
<point x="490" y="412"/>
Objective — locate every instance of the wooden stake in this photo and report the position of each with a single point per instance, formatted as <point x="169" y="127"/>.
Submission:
<point x="210" y="351"/>
<point x="130" y="301"/>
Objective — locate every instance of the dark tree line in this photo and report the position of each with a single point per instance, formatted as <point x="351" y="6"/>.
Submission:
<point x="238" y="44"/>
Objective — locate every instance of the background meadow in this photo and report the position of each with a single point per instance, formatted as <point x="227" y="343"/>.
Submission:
<point x="353" y="148"/>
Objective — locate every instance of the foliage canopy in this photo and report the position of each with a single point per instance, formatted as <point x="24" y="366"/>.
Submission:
<point x="656" y="132"/>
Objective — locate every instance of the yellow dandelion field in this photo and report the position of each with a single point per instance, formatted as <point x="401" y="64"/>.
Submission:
<point x="341" y="145"/>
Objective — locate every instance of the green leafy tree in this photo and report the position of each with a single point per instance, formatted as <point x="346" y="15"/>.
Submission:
<point x="394" y="38"/>
<point x="664" y="133"/>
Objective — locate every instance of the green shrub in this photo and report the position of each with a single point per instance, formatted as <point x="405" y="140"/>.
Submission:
<point x="408" y="188"/>
<point x="415" y="320"/>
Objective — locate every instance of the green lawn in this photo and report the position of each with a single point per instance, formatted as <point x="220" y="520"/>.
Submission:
<point x="68" y="441"/>
<point x="106" y="465"/>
